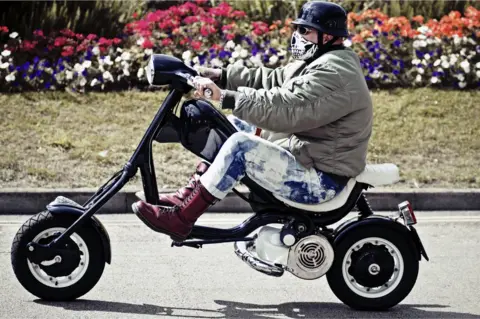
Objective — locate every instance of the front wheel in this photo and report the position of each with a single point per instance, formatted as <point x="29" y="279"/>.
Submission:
<point x="64" y="277"/>
<point x="374" y="269"/>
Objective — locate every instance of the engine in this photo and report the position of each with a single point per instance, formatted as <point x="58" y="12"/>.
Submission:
<point x="310" y="258"/>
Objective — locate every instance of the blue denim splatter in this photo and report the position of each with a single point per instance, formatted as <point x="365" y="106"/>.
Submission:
<point x="270" y="166"/>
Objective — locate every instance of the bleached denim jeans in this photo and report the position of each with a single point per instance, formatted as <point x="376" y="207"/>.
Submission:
<point x="269" y="165"/>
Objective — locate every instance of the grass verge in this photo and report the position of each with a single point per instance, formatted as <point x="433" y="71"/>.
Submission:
<point x="55" y="140"/>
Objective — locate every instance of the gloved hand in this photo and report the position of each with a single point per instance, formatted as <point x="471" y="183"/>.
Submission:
<point x="211" y="73"/>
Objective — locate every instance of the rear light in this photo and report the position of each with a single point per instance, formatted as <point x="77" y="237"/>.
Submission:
<point x="406" y="211"/>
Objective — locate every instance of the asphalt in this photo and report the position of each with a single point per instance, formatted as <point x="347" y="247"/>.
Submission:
<point x="149" y="279"/>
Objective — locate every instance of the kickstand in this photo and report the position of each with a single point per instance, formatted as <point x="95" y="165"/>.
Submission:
<point x="199" y="243"/>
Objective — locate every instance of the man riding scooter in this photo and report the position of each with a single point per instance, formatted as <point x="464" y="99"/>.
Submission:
<point x="316" y="119"/>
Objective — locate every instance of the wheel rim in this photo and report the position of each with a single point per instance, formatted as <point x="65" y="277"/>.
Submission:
<point x="60" y="281"/>
<point x="372" y="269"/>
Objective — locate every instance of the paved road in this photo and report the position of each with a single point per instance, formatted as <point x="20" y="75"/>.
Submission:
<point x="150" y="279"/>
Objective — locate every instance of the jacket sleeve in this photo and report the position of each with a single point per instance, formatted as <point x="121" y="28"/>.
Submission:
<point x="305" y="102"/>
<point x="235" y="76"/>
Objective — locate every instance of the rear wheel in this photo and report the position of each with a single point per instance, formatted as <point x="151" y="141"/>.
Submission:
<point x="66" y="276"/>
<point x="374" y="269"/>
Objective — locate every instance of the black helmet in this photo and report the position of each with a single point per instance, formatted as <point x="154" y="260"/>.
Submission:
<point x="326" y="17"/>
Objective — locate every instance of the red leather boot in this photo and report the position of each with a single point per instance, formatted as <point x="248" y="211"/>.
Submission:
<point x="179" y="196"/>
<point x="176" y="221"/>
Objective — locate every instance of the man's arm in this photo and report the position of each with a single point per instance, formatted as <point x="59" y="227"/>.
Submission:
<point x="309" y="101"/>
<point x="235" y="76"/>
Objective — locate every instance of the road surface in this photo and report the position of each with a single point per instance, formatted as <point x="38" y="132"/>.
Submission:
<point x="148" y="278"/>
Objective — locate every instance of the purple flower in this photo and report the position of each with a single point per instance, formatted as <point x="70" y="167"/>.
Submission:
<point x="36" y="59"/>
<point x="84" y="73"/>
<point x="397" y="43"/>
<point x="384" y="33"/>
<point x="272" y="51"/>
<point x="47" y="85"/>
<point x="375" y="33"/>
<point x="11" y="68"/>
<point x="368" y="78"/>
<point x="396" y="72"/>
<point x="223" y="54"/>
<point x="213" y="56"/>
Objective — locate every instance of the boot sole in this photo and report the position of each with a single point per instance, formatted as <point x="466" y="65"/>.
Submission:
<point x="174" y="237"/>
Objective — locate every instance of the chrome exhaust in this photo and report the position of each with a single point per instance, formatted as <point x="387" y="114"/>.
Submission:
<point x="241" y="250"/>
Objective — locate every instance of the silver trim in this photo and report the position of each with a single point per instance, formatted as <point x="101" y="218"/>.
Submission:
<point x="241" y="250"/>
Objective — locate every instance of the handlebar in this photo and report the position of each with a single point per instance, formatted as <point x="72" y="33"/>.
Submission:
<point x="207" y="92"/>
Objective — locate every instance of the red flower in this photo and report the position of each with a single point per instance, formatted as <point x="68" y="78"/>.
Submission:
<point x="418" y="19"/>
<point x="166" y="42"/>
<point x="206" y="30"/>
<point x="184" y="40"/>
<point x="3" y="29"/>
<point x="60" y="41"/>
<point x="216" y="47"/>
<point x="67" y="51"/>
<point x="238" y="14"/>
<point x="79" y="36"/>
<point x="104" y="41"/>
<point x="91" y="36"/>
<point x="190" y="20"/>
<point x="117" y="41"/>
<point x="196" y="45"/>
<point x="230" y="36"/>
<point x="29" y="45"/>
<point x="67" y="33"/>
<point x="135" y="15"/>
<point x="38" y="33"/>
<point x="147" y="44"/>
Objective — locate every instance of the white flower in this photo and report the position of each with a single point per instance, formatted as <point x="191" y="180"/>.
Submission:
<point x="108" y="60"/>
<point x="118" y="59"/>
<point x="96" y="50"/>
<point x="477" y="65"/>
<point x="347" y="43"/>
<point x="434" y="79"/>
<point x="421" y="37"/>
<point x="126" y="72"/>
<point x="460" y="77"/>
<point x="196" y="60"/>
<point x="187" y="55"/>
<point x="444" y="58"/>
<point x="235" y="54"/>
<point x="107" y="76"/>
<point x="6" y="53"/>
<point x="478" y="74"/>
<point x="148" y="51"/>
<point x="418" y="78"/>
<point x="243" y="53"/>
<point x="126" y="56"/>
<point x="216" y="62"/>
<point x="10" y="77"/>
<point x="13" y="35"/>
<point x="437" y="62"/>
<point x="140" y="41"/>
<point x="462" y="84"/>
<point x="465" y="64"/>
<point x="256" y="60"/>
<point x="4" y="65"/>
<point x="78" y="67"/>
<point x="273" y="59"/>
<point x="382" y="56"/>
<point x="238" y="48"/>
<point x="83" y="81"/>
<point x="423" y="29"/>
<point x="94" y="82"/>
<point x="420" y="70"/>
<point x="456" y="39"/>
<point x="427" y="56"/>
<point x="231" y="60"/>
<point x="140" y="73"/>
<point x="471" y="41"/>
<point x="86" y="64"/>
<point x="375" y="74"/>
<point x="463" y="52"/>
<point x="119" y="50"/>
<point x="68" y="75"/>
<point x="445" y="64"/>
<point x="416" y="61"/>
<point x="453" y="59"/>
<point x="230" y="45"/>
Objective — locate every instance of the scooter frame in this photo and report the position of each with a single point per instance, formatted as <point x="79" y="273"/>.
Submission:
<point x="266" y="207"/>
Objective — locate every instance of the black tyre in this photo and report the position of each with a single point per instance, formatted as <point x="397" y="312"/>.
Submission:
<point x="58" y="280"/>
<point x="375" y="268"/>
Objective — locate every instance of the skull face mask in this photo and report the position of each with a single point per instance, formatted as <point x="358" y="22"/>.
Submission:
<point x="302" y="49"/>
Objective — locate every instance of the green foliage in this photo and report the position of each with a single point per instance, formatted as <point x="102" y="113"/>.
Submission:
<point x="100" y="17"/>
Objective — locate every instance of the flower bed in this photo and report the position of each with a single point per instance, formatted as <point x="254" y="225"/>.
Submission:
<point x="394" y="51"/>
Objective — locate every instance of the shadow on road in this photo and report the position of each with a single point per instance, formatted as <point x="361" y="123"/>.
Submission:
<point x="233" y="309"/>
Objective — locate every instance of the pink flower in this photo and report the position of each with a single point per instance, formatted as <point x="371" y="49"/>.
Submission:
<point x="190" y="20"/>
<point x="67" y="33"/>
<point x="3" y="29"/>
<point x="117" y="41"/>
<point x="147" y="44"/>
<point x="67" y="51"/>
<point x="91" y="36"/>
<point x="196" y="45"/>
<point x="166" y="42"/>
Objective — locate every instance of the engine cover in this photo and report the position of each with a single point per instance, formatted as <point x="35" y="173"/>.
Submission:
<point x="311" y="257"/>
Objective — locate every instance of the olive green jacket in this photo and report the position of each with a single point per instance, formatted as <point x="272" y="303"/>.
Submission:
<point x="320" y="112"/>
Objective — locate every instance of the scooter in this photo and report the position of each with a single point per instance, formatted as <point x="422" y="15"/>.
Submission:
<point x="371" y="261"/>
